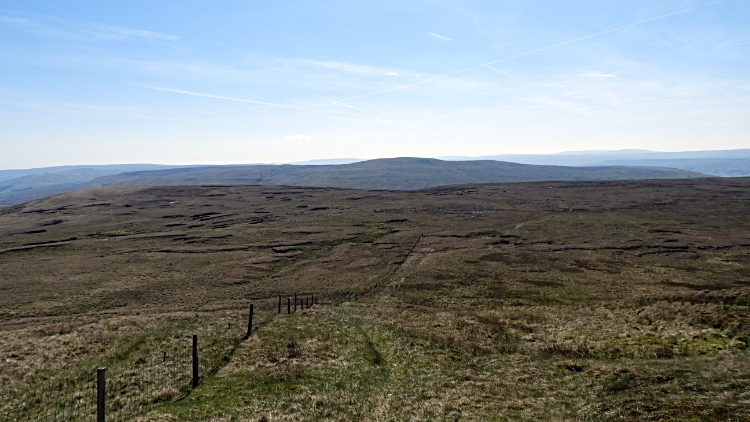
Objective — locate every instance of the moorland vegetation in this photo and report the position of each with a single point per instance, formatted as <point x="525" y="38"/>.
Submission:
<point x="607" y="300"/>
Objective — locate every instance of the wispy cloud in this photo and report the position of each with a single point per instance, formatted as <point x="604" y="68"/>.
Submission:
<point x="549" y="47"/>
<point x="600" y="75"/>
<point x="358" y="69"/>
<point x="441" y="37"/>
<point x="123" y="33"/>
<point x="615" y="101"/>
<point x="84" y="30"/>
<point x="730" y="44"/>
<point x="297" y="138"/>
<point x="32" y="26"/>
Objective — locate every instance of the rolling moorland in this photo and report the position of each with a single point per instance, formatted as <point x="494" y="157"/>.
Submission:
<point x="395" y="173"/>
<point x="606" y="300"/>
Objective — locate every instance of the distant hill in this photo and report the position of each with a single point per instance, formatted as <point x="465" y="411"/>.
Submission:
<point x="17" y="186"/>
<point x="722" y="163"/>
<point x="387" y="174"/>
<point x="6" y="175"/>
<point x="721" y="167"/>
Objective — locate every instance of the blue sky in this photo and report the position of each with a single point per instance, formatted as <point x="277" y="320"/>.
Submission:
<point x="183" y="82"/>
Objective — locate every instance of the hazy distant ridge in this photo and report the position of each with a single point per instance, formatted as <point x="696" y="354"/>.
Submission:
<point x="722" y="163"/>
<point x="17" y="186"/>
<point x="391" y="174"/>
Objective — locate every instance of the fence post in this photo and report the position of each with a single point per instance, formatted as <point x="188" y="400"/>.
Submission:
<point x="100" y="393"/>
<point x="279" y="303"/>
<point x="250" y="322"/>
<point x="295" y="302"/>
<point x="195" y="360"/>
<point x="289" y="305"/>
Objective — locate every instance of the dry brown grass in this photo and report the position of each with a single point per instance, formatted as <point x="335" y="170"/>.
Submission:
<point x="514" y="302"/>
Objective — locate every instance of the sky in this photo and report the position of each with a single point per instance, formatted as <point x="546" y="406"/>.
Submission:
<point x="207" y="82"/>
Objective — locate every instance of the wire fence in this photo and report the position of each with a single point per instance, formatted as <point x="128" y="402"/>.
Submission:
<point x="132" y="388"/>
<point x="59" y="401"/>
<point x="129" y="389"/>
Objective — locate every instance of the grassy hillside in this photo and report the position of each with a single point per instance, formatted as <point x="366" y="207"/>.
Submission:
<point x="393" y="174"/>
<point x="603" y="301"/>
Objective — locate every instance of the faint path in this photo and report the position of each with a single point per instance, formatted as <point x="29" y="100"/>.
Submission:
<point x="518" y="226"/>
<point x="409" y="258"/>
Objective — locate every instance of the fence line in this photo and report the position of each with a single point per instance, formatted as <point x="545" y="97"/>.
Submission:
<point x="128" y="389"/>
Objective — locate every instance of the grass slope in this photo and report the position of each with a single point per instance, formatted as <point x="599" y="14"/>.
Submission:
<point x="613" y="300"/>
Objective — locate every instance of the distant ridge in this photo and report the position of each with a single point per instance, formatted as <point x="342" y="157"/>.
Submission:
<point x="722" y="163"/>
<point x="388" y="173"/>
<point x="405" y="173"/>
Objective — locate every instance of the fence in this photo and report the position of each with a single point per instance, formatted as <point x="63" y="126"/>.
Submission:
<point x="126" y="390"/>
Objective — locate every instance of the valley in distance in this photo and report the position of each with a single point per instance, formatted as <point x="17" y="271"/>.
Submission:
<point x="545" y="301"/>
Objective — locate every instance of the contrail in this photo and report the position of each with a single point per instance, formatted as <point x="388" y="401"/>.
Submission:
<point x="197" y="94"/>
<point x="506" y="74"/>
<point x="337" y="103"/>
<point x="537" y="50"/>
<point x="327" y="113"/>
<point x="340" y="104"/>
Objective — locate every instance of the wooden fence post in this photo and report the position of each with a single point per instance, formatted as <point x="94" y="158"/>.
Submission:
<point x="295" y="302"/>
<point x="195" y="360"/>
<point x="100" y="393"/>
<point x="250" y="322"/>
<point x="279" y="303"/>
<point x="288" y="305"/>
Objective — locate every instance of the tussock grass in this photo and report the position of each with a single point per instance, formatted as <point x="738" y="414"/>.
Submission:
<point x="520" y="302"/>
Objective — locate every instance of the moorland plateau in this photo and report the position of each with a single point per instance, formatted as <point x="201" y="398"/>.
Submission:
<point x="607" y="300"/>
